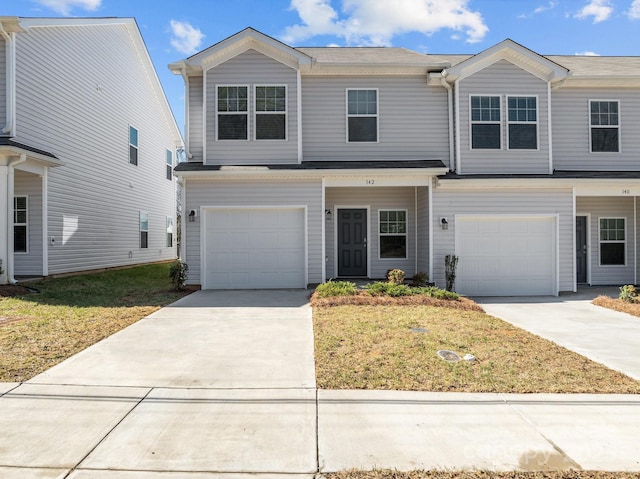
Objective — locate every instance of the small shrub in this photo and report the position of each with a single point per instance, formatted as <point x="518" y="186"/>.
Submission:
<point x="419" y="279"/>
<point x="178" y="274"/>
<point x="336" y="288"/>
<point x="395" y="276"/>
<point x="628" y="293"/>
<point x="396" y="290"/>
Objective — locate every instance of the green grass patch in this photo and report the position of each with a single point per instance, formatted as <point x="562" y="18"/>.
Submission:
<point x="381" y="347"/>
<point x="336" y="288"/>
<point x="39" y="330"/>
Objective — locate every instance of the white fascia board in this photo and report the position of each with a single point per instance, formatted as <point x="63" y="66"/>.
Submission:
<point x="42" y="159"/>
<point x="584" y="186"/>
<point x="74" y="22"/>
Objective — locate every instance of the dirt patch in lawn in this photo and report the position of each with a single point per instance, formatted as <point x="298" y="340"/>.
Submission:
<point x="390" y="474"/>
<point x="12" y="290"/>
<point x="395" y="347"/>
<point x="618" y="305"/>
<point x="362" y="298"/>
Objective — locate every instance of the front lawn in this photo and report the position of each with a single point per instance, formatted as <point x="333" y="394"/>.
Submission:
<point x="39" y="330"/>
<point x="394" y="347"/>
<point x="390" y="474"/>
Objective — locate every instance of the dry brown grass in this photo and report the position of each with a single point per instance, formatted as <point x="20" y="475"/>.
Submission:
<point x="618" y="305"/>
<point x="389" y="474"/>
<point x="362" y="298"/>
<point x="69" y="314"/>
<point x="373" y="347"/>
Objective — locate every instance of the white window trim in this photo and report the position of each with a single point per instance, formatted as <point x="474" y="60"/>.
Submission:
<point x="600" y="241"/>
<point x="217" y="113"/>
<point x="618" y="126"/>
<point x="137" y="147"/>
<point x="169" y="222"/>
<point x="537" y="122"/>
<point x="405" y="234"/>
<point x="166" y="155"/>
<point x="480" y="122"/>
<point x="285" y="112"/>
<point x="26" y="225"/>
<point x="376" y="116"/>
<point x="140" y="230"/>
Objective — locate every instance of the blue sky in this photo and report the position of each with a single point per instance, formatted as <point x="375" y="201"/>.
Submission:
<point x="174" y="30"/>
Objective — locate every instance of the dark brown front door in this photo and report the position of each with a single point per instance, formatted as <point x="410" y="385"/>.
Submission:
<point x="352" y="242"/>
<point x="581" y="249"/>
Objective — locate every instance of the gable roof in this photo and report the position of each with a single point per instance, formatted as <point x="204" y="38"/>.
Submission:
<point x="528" y="60"/>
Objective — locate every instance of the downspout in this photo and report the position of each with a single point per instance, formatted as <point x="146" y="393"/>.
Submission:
<point x="10" y="193"/>
<point x="10" y="76"/>
<point x="185" y="78"/>
<point x="445" y="83"/>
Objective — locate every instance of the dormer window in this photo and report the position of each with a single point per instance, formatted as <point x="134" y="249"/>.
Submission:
<point x="485" y="123"/>
<point x="232" y="107"/>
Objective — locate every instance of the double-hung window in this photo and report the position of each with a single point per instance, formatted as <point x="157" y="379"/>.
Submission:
<point x="144" y="230"/>
<point x="522" y="119"/>
<point x="485" y="123"/>
<point x="612" y="241"/>
<point x="232" y="108"/>
<point x="169" y="157"/>
<point x="604" y="126"/>
<point x="271" y="112"/>
<point x="20" y="242"/>
<point x="169" y="232"/>
<point x="362" y="115"/>
<point x="133" y="145"/>
<point x="393" y="233"/>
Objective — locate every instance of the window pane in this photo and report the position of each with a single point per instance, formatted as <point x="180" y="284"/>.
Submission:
<point x="232" y="98"/>
<point x="144" y="222"/>
<point x="20" y="239"/>
<point x="393" y="246"/>
<point x="362" y="102"/>
<point x="523" y="137"/>
<point x="232" y="127"/>
<point x="604" y="139"/>
<point x="20" y="202"/>
<point x="144" y="239"/>
<point x="133" y="155"/>
<point x="612" y="254"/>
<point x="133" y="136"/>
<point x="485" y="137"/>
<point x="20" y="216"/>
<point x="270" y="127"/>
<point x="169" y="158"/>
<point x="363" y="129"/>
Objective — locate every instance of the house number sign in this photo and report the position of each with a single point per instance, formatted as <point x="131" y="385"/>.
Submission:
<point x="626" y="191"/>
<point x="370" y="182"/>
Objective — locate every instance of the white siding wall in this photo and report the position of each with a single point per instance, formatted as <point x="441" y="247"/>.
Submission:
<point x="195" y="119"/>
<point x="376" y="199"/>
<point x="423" y="229"/>
<point x="609" y="207"/>
<point x="570" y="117"/>
<point x="79" y="109"/>
<point x="516" y="202"/>
<point x="3" y="84"/>
<point x="412" y="119"/>
<point x="503" y="78"/>
<point x="30" y="264"/>
<point x="252" y="68"/>
<point x="256" y="193"/>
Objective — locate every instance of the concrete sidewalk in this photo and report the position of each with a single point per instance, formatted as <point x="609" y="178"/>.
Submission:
<point x="204" y="389"/>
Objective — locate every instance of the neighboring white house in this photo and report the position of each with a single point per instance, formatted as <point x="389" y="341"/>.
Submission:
<point x="87" y="147"/>
<point x="313" y="163"/>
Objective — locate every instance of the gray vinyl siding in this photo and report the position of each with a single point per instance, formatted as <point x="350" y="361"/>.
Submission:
<point x="502" y="79"/>
<point x="423" y="229"/>
<point x="202" y="193"/>
<point x="80" y="110"/>
<point x="571" y="144"/>
<point x="376" y="199"/>
<point x="30" y="263"/>
<point x="412" y="119"/>
<point x="494" y="202"/>
<point x="251" y="68"/>
<point x="195" y="119"/>
<point x="3" y="84"/>
<point x="609" y="207"/>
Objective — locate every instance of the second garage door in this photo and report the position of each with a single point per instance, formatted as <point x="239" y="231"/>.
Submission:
<point x="254" y="248"/>
<point x="506" y="256"/>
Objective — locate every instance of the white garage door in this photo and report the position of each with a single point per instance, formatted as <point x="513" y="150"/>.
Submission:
<point x="254" y="248"/>
<point x="506" y="256"/>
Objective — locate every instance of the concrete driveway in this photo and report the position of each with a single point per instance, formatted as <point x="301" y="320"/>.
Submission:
<point x="570" y="320"/>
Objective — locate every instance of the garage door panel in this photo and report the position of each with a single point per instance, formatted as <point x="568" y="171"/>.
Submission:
<point x="255" y="248"/>
<point x="505" y="256"/>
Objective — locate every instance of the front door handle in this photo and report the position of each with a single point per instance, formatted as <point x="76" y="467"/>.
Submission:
<point x="365" y="241"/>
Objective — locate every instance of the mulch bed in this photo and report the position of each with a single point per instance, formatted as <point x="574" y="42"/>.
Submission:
<point x="365" y="299"/>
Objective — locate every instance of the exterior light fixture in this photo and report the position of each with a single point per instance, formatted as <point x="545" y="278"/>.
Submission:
<point x="444" y="223"/>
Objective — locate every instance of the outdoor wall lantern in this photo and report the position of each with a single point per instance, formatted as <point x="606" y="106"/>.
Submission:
<point x="444" y="223"/>
<point x="328" y="215"/>
<point x="192" y="216"/>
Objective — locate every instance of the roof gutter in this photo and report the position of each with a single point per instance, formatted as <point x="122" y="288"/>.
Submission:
<point x="11" y="80"/>
<point x="240" y="172"/>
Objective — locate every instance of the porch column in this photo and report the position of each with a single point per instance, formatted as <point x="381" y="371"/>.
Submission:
<point x="4" y="219"/>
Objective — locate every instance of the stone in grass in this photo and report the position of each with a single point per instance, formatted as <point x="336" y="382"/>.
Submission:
<point x="448" y="356"/>
<point x="469" y="357"/>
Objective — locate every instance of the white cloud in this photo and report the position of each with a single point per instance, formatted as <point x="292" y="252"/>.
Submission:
<point x="634" y="10"/>
<point x="375" y="22"/>
<point x="587" y="54"/>
<point x="543" y="8"/>
<point x="600" y="10"/>
<point x="64" y="7"/>
<point x="185" y="38"/>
